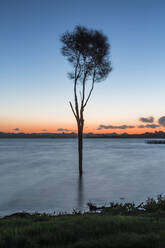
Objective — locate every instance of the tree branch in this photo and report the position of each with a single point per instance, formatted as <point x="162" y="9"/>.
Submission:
<point x="82" y="101"/>
<point x="90" y="92"/>
<point x="75" y="89"/>
<point x="80" y="69"/>
<point x="73" y="110"/>
<point x="83" y="91"/>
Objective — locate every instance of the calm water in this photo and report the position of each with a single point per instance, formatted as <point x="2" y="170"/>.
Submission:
<point x="42" y="174"/>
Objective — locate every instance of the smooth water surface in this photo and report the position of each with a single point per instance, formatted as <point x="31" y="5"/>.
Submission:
<point x="42" y="174"/>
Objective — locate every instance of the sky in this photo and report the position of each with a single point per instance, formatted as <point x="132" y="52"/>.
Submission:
<point x="34" y="88"/>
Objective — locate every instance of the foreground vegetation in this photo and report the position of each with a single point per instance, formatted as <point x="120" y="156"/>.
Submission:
<point x="119" y="225"/>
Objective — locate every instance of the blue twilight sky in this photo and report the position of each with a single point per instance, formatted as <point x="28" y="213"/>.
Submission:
<point x="34" y="86"/>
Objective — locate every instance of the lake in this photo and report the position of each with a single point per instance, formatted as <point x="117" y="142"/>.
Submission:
<point x="42" y="174"/>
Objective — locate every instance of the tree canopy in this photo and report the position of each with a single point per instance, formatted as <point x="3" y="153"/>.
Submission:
<point x="88" y="51"/>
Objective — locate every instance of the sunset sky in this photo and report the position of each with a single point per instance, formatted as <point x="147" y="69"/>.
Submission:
<point x="34" y="87"/>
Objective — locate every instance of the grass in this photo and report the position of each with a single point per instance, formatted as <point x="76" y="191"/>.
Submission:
<point x="82" y="231"/>
<point x="117" y="226"/>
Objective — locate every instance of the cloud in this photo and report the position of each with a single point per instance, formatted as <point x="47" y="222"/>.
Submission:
<point x="162" y="121"/>
<point x="44" y="130"/>
<point x="149" y="126"/>
<point x="147" y="119"/>
<point x="114" y="127"/>
<point x="141" y="126"/>
<point x="16" y="129"/>
<point x="63" y="129"/>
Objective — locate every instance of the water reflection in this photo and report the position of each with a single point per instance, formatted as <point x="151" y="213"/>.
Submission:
<point x="80" y="193"/>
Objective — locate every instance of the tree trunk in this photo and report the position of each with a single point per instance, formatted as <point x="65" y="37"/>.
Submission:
<point x="80" y="149"/>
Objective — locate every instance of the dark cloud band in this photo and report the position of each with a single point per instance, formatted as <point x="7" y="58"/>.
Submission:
<point x="16" y="129"/>
<point x="114" y="127"/>
<point x="149" y="126"/>
<point x="63" y="129"/>
<point x="147" y="119"/>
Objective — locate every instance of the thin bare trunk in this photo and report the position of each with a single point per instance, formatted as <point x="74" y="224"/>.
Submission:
<point x="80" y="125"/>
<point x="80" y="151"/>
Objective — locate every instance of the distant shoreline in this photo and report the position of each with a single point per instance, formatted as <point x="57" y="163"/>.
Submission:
<point x="155" y="135"/>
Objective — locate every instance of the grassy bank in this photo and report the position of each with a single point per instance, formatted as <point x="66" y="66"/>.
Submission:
<point x="82" y="231"/>
<point x="119" y="225"/>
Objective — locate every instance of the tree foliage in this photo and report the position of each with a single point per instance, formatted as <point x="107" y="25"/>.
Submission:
<point x="88" y="51"/>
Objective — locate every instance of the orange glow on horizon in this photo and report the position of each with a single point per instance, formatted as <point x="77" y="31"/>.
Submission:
<point x="68" y="128"/>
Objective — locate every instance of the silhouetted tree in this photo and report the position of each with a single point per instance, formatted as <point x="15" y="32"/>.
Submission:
<point x="88" y="52"/>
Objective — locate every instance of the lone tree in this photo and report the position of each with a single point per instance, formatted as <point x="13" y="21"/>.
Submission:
<point x="88" y="52"/>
